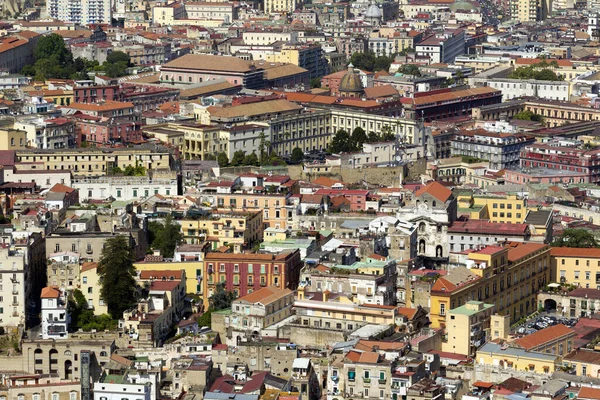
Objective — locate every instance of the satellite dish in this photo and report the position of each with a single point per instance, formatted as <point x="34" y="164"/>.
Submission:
<point x="398" y="158"/>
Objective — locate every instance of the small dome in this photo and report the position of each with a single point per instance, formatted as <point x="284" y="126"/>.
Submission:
<point x="373" y="12"/>
<point x="351" y="81"/>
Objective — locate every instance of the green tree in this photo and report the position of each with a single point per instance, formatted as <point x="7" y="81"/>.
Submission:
<point x="117" y="276"/>
<point x="358" y="138"/>
<point x="167" y="236"/>
<point x="315" y="82"/>
<point x="528" y="115"/>
<point x="251" y="159"/>
<point x="297" y="154"/>
<point x="372" y="137"/>
<point x="52" y="47"/>
<point x="223" y="160"/>
<point x="387" y="134"/>
<point x="115" y="70"/>
<point x="369" y="62"/>
<point x="410" y="69"/>
<point x="341" y="142"/>
<point x="580" y="238"/>
<point x="263" y="146"/>
<point x="204" y="319"/>
<point x="238" y="158"/>
<point x="221" y="298"/>
<point x="406" y="50"/>
<point x="118" y="56"/>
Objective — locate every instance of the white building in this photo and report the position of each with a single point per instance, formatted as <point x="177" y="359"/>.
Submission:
<point x="124" y="187"/>
<point x="55" y="316"/>
<point x="515" y="88"/>
<point x="13" y="288"/>
<point x="107" y="390"/>
<point x="80" y="11"/>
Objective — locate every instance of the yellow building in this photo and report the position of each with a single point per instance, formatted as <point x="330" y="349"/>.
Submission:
<point x="508" y="277"/>
<point x="274" y="235"/>
<point x="557" y="339"/>
<point x="583" y="362"/>
<point x="507" y="357"/>
<point x="193" y="272"/>
<point x="274" y="208"/>
<point x="12" y="139"/>
<point x="280" y="6"/>
<point x="506" y="209"/>
<point x="238" y="229"/>
<point x="580" y="267"/>
<point x="467" y="327"/>
<point x="167" y="14"/>
<point x="90" y="287"/>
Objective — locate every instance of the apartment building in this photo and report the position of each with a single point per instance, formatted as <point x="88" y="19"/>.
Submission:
<point x="518" y="88"/>
<point x="245" y="273"/>
<point x="89" y="245"/>
<point x="280" y="7"/>
<point x="570" y="159"/>
<point x="530" y="10"/>
<point x="556" y="113"/>
<point x="36" y="387"/>
<point x="583" y="362"/>
<point x="16" y="50"/>
<point x="495" y="208"/>
<point x="235" y="229"/>
<point x="277" y="213"/>
<point x="126" y="188"/>
<point x="502" y="150"/>
<point x="89" y="284"/>
<point x="475" y="233"/>
<point x="15" y="290"/>
<point x="336" y="312"/>
<point x="366" y="375"/>
<point x="55" y="315"/>
<point x="442" y="47"/>
<point x="252" y="314"/>
<point x="63" y="270"/>
<point x="508" y="277"/>
<point x="95" y="161"/>
<point x="80" y="12"/>
<point x="467" y="327"/>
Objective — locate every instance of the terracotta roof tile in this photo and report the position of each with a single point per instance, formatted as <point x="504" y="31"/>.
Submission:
<point x="538" y="338"/>
<point x="436" y="190"/>
<point x="266" y="295"/>
<point x="574" y="252"/>
<point x="49" y="293"/>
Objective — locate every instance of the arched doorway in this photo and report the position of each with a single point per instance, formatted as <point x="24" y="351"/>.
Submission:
<point x="549" y="304"/>
<point x="68" y="369"/>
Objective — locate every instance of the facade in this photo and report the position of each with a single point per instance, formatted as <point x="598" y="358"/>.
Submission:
<point x="89" y="284"/>
<point x="194" y="68"/>
<point x="557" y="339"/>
<point x="124" y="187"/>
<point x="63" y="270"/>
<point x="16" y="290"/>
<point x="255" y="312"/>
<point x="280" y="7"/>
<point x="55" y="316"/>
<point x="246" y="273"/>
<point x="530" y="11"/>
<point x="35" y="387"/>
<point x="508" y="277"/>
<point x="517" y="359"/>
<point x="240" y="230"/>
<point x="562" y="158"/>
<point x="81" y="12"/>
<point x="579" y="267"/>
<point x="517" y="88"/>
<point x="501" y="150"/>
<point x="442" y="47"/>
<point x="366" y="375"/>
<point x="16" y="50"/>
<point x="468" y="327"/>
<point x="471" y="234"/>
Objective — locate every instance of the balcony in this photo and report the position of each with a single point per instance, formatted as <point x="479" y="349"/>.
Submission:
<point x="367" y="380"/>
<point x="335" y="378"/>
<point x="381" y="381"/>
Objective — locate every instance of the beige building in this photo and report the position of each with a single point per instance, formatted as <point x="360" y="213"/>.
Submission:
<point x="36" y="387"/>
<point x="530" y="10"/>
<point x="252" y="314"/>
<point x="280" y="6"/>
<point x="15" y="288"/>
<point x="90" y="287"/>
<point x="366" y="375"/>
<point x="12" y="139"/>
<point x="467" y="327"/>
<point x="63" y="357"/>
<point x="168" y="13"/>
<point x="96" y="162"/>
<point x="63" y="270"/>
<point x="89" y="245"/>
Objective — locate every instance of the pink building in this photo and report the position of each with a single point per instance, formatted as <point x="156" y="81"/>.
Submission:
<point x="544" y="175"/>
<point x="358" y="198"/>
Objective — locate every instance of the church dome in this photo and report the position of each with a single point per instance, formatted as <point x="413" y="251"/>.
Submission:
<point x="373" y="12"/>
<point x="351" y="81"/>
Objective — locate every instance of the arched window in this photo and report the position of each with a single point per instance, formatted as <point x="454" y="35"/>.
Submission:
<point x="103" y="354"/>
<point x="68" y="353"/>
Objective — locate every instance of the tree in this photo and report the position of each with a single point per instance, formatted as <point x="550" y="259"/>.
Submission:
<point x="315" y="82"/>
<point x="251" y="159"/>
<point x="52" y="47"/>
<point x="340" y="142"/>
<point x="118" y="56"/>
<point x="115" y="70"/>
<point x="263" y="146"/>
<point x="223" y="160"/>
<point x="387" y="134"/>
<point x="528" y="115"/>
<point x="117" y="276"/>
<point x="359" y="137"/>
<point x="579" y="238"/>
<point x="297" y="154"/>
<point x="221" y="298"/>
<point x="204" y="319"/>
<point x="406" y="50"/>
<point x="166" y="236"/>
<point x="372" y="137"/>
<point x="410" y="69"/>
<point x="368" y="61"/>
<point x="238" y="158"/>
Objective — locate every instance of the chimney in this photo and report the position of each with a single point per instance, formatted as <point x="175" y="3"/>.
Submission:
<point x="301" y="293"/>
<point x="326" y="295"/>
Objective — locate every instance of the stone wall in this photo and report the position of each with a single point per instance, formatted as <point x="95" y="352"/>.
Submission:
<point x="497" y="374"/>
<point x="388" y="176"/>
<point x="310" y="336"/>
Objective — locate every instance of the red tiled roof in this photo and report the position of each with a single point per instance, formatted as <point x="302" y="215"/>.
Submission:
<point x="543" y="336"/>
<point x="49" y="293"/>
<point x="158" y="275"/>
<point x="59" y="188"/>
<point x="436" y="190"/>
<point x="574" y="252"/>
<point x="589" y="393"/>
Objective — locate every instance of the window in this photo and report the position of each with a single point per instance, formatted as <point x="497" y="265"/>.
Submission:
<point x="576" y="274"/>
<point x="249" y="268"/>
<point x="587" y="275"/>
<point x="73" y="396"/>
<point x="85" y="280"/>
<point x="55" y="396"/>
<point x="442" y="309"/>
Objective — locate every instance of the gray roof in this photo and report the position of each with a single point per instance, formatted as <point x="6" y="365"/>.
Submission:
<point x="229" y="396"/>
<point x="491" y="347"/>
<point x="539" y="217"/>
<point x="354" y="224"/>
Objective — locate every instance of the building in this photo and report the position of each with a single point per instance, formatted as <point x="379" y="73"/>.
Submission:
<point x="365" y="374"/>
<point x="168" y="13"/>
<point x="508" y="277"/>
<point x="89" y="283"/>
<point x="580" y="267"/>
<point x="125" y="188"/>
<point x="516" y="359"/>
<point x="530" y="11"/>
<point x="557" y="339"/>
<point x="495" y="208"/>
<point x="195" y="68"/>
<point x="502" y="150"/>
<point x="280" y="7"/>
<point x="124" y="386"/>
<point x="246" y="273"/>
<point x="562" y="158"/>
<point x="518" y="88"/>
<point x="253" y="314"/>
<point x="578" y="303"/>
<point x="583" y="362"/>
<point x="468" y="327"/>
<point x="474" y="233"/>
<point x="16" y="50"/>
<point x="442" y="47"/>
<point x="305" y="379"/>
<point x="16" y="290"/>
<point x="36" y="387"/>
<point x="80" y="12"/>
<point x="55" y="316"/>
